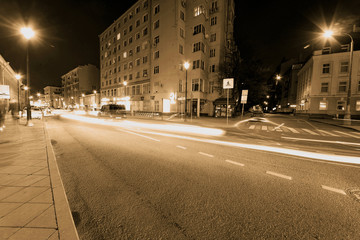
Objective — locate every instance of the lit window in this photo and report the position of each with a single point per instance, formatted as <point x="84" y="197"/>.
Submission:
<point x="323" y="105"/>
<point x="357" y="108"/>
<point x="340" y="105"/>
<point x="198" y="10"/>
<point x="124" y="54"/>
<point x="118" y="36"/>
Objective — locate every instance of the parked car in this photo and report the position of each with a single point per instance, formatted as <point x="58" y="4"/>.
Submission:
<point x="113" y="110"/>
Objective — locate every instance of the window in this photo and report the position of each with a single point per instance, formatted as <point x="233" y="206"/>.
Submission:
<point x="137" y="49"/>
<point x="181" y="50"/>
<point x="342" y="86"/>
<point x="198" y="10"/>
<point x="125" y="43"/>
<point x="156" y="9"/>
<point x="125" y="19"/>
<point x="145" y="31"/>
<point x="156" y="69"/>
<point x="124" y="54"/>
<point x="212" y="68"/>
<point x="130" y="65"/>
<point x="326" y="68"/>
<point x="146" y="88"/>
<point x="118" y="36"/>
<point x="130" y="77"/>
<point x="125" y="66"/>
<point x="214" y="7"/>
<point x="132" y="90"/>
<point x="358" y="88"/>
<point x="326" y="50"/>
<point x="145" y="73"/>
<point x="156" y="24"/>
<point x="344" y="67"/>
<point x="157" y="106"/>
<point x="213" y="21"/>
<point x="340" y="105"/>
<point x="137" y="36"/>
<point x="182" y="33"/>
<point x="195" y="85"/>
<point x="131" y="15"/>
<point x="146" y="4"/>
<point x="130" y="40"/>
<point x="357" y="107"/>
<point x="137" y="62"/>
<point x="323" y="105"/>
<point x="145" y="59"/>
<point x="212" y="52"/>
<point x="198" y="29"/>
<point x="125" y="32"/>
<point x="180" y="85"/>
<point x="145" y="17"/>
<point x="137" y="90"/>
<point x="211" y="87"/>
<point x="156" y="55"/>
<point x="156" y="40"/>
<point x="137" y="23"/>
<point x="324" y="87"/>
<point x="345" y="47"/>
<point x="130" y="28"/>
<point x="213" y="37"/>
<point x="182" y="15"/>
<point x="137" y="10"/>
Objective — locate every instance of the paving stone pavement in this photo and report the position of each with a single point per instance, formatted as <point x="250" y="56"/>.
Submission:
<point x="33" y="203"/>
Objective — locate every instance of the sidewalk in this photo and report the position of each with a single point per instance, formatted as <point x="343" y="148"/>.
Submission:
<point x="33" y="204"/>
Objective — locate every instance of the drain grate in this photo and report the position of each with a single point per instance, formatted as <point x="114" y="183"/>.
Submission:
<point x="354" y="193"/>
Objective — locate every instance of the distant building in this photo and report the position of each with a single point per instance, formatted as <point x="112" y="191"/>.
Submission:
<point x="81" y="80"/>
<point x="53" y="96"/>
<point x="323" y="82"/>
<point x="142" y="55"/>
<point x="7" y="78"/>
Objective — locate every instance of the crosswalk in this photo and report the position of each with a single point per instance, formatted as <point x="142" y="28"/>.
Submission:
<point x="318" y="132"/>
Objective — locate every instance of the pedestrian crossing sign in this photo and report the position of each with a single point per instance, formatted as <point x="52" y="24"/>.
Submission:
<point x="228" y="83"/>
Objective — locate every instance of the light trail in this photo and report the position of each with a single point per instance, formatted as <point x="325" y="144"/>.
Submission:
<point x="322" y="141"/>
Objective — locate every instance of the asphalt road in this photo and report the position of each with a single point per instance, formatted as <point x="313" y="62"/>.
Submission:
<point x="127" y="182"/>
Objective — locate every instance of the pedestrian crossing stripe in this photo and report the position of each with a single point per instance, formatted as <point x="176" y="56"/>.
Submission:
<point x="292" y="130"/>
<point x="264" y="128"/>
<point x="347" y="134"/>
<point x="309" y="131"/>
<point x="252" y="127"/>
<point x="328" y="133"/>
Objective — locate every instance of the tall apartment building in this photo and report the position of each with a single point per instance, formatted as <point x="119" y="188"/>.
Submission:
<point x="80" y="80"/>
<point x="142" y="55"/>
<point x="53" y="96"/>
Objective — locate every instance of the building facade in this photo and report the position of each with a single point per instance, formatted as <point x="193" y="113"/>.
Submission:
<point x="53" y="96"/>
<point x="81" y="80"/>
<point x="323" y="84"/>
<point x="142" y="55"/>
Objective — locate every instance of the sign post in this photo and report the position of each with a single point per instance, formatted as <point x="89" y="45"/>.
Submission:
<point x="244" y="95"/>
<point x="228" y="83"/>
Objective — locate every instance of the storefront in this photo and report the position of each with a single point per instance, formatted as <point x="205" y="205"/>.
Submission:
<point x="220" y="107"/>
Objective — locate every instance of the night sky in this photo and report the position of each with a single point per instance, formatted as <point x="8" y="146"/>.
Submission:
<point x="67" y="31"/>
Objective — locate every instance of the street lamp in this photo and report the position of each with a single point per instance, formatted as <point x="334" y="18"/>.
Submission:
<point x="328" y="34"/>
<point x="186" y="66"/>
<point x="28" y="33"/>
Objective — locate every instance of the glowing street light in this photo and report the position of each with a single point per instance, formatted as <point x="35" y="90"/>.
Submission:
<point x="28" y="33"/>
<point x="328" y="34"/>
<point x="186" y="66"/>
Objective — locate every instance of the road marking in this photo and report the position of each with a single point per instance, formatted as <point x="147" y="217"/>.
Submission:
<point x="279" y="126"/>
<point x="236" y="163"/>
<point x="333" y="189"/>
<point x="323" y="141"/>
<point x="328" y="133"/>
<point x="309" y="131"/>
<point x="252" y="127"/>
<point x="178" y="146"/>
<point x="279" y="175"/>
<point x="347" y="134"/>
<point x="140" y="135"/>
<point x="205" y="154"/>
<point x="293" y="130"/>
<point x="264" y="128"/>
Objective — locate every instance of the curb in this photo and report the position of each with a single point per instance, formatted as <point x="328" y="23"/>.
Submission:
<point x="333" y="124"/>
<point x="65" y="222"/>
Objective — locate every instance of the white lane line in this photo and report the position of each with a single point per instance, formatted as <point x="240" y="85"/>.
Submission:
<point x="293" y="130"/>
<point x="279" y="126"/>
<point x="328" y="133"/>
<point x="323" y="141"/>
<point x="236" y="163"/>
<point x="264" y="128"/>
<point x="178" y="146"/>
<point x="205" y="154"/>
<point x="347" y="134"/>
<point x="140" y="135"/>
<point x="279" y="175"/>
<point x="252" y="127"/>
<point x="333" y="189"/>
<point x="309" y="131"/>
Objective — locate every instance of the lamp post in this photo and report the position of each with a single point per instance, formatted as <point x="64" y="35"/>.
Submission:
<point x="186" y="66"/>
<point x="328" y="34"/>
<point x="18" y="77"/>
<point x="28" y="33"/>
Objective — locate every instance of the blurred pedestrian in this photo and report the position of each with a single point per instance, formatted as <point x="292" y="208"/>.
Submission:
<point x="3" y="107"/>
<point x="14" y="109"/>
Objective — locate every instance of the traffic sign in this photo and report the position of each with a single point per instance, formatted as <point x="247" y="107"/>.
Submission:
<point x="228" y="83"/>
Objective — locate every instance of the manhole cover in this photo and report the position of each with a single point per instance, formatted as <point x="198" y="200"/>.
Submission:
<point x="354" y="193"/>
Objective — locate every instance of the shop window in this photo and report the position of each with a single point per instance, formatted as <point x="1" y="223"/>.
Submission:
<point x="340" y="105"/>
<point x="323" y="105"/>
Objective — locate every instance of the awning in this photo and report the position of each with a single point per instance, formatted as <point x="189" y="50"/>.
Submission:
<point x="222" y="101"/>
